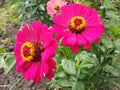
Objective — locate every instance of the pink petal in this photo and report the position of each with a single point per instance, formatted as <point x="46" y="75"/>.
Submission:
<point x="50" y="74"/>
<point x="61" y="19"/>
<point x="93" y="19"/>
<point x="49" y="50"/>
<point x="18" y="59"/>
<point x="47" y="40"/>
<point x="36" y="27"/>
<point x="81" y="40"/>
<point x="39" y="74"/>
<point x="17" y="49"/>
<point x="20" y="65"/>
<point x="78" y="9"/>
<point x="97" y="41"/>
<point x="44" y="66"/>
<point x="30" y="72"/>
<point x="72" y="40"/>
<point x="58" y="29"/>
<point x="51" y="63"/>
<point x="65" y="33"/>
<point x="67" y="12"/>
<point x="44" y="33"/>
<point x="93" y="33"/>
<point x="86" y="11"/>
<point x="25" y="34"/>
<point x="75" y="48"/>
<point x="64" y="42"/>
<point x="87" y="46"/>
<point x="44" y="56"/>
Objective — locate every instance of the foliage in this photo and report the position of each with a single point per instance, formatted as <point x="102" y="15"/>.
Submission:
<point x="93" y="70"/>
<point x="96" y="69"/>
<point x="7" y="61"/>
<point x="8" y="15"/>
<point x="34" y="9"/>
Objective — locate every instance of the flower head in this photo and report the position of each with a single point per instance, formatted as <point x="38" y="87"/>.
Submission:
<point x="78" y="25"/>
<point x="53" y="6"/>
<point x="34" y="52"/>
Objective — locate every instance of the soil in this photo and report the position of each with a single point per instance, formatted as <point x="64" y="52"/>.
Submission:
<point x="14" y="81"/>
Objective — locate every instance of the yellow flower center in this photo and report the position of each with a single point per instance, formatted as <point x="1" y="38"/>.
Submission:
<point x="77" y="24"/>
<point x="27" y="51"/>
<point x="56" y="7"/>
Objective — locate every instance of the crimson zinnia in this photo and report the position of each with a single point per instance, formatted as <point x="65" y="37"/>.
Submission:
<point x="78" y="25"/>
<point x="34" y="52"/>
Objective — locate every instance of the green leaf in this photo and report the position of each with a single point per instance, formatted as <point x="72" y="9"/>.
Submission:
<point x="60" y="74"/>
<point x="111" y="81"/>
<point x="85" y="60"/>
<point x="33" y="11"/>
<point x="10" y="62"/>
<point x="9" y="67"/>
<point x="108" y="4"/>
<point x="7" y="62"/>
<point x="112" y="70"/>
<point x="107" y="43"/>
<point x="9" y="59"/>
<point x="2" y="62"/>
<point x="117" y="44"/>
<point x="69" y="67"/>
<point x="51" y="84"/>
<point x="2" y="50"/>
<point x="64" y="83"/>
<point x="29" y="5"/>
<point x="82" y="56"/>
<point x="42" y="7"/>
<point x="113" y="19"/>
<point x="78" y="86"/>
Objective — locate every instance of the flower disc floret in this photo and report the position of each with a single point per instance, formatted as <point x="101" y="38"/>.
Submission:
<point x="56" y="7"/>
<point x="27" y="51"/>
<point x="77" y="24"/>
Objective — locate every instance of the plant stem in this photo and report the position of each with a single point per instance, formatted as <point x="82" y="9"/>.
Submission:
<point x="65" y="53"/>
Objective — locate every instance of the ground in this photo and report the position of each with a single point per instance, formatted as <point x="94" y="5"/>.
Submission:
<point x="14" y="81"/>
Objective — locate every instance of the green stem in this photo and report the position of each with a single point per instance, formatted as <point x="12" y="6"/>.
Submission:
<point x="65" y="53"/>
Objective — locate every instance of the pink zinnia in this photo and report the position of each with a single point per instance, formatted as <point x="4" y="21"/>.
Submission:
<point x="34" y="51"/>
<point x="53" y="6"/>
<point x="78" y="25"/>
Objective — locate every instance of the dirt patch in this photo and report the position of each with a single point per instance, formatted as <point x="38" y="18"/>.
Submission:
<point x="7" y="37"/>
<point x="15" y="81"/>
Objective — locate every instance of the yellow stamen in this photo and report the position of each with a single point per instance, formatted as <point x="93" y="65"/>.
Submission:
<point x="27" y="51"/>
<point x="77" y="26"/>
<point x="56" y="7"/>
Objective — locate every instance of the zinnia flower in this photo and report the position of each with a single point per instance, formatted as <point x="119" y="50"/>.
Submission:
<point x="34" y="51"/>
<point x="79" y="25"/>
<point x="53" y="6"/>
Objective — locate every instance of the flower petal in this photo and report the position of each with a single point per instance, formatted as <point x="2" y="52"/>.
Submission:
<point x="93" y="33"/>
<point x="50" y="74"/>
<point x="39" y="74"/>
<point x="30" y="72"/>
<point x="75" y="48"/>
<point x="88" y="46"/>
<point x="81" y="40"/>
<point x="72" y="40"/>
